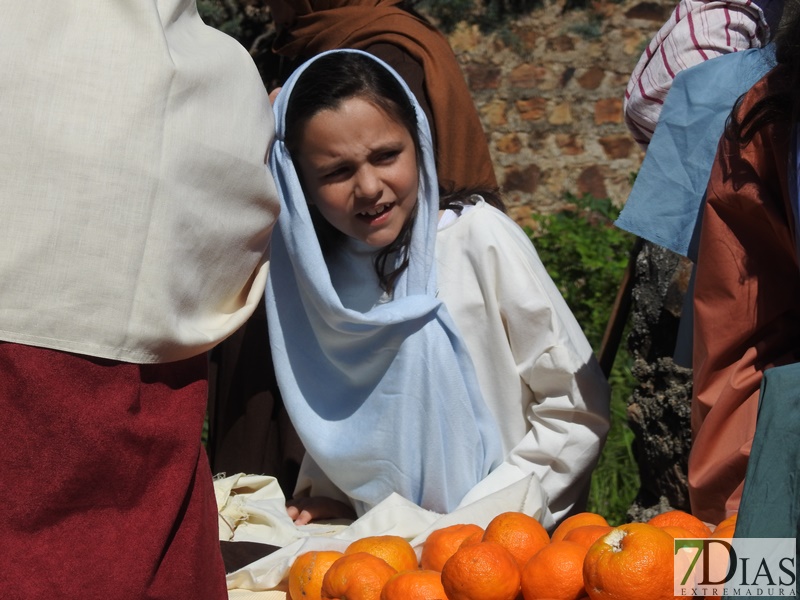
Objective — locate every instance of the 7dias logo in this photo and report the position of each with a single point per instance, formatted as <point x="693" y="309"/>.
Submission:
<point x="754" y="567"/>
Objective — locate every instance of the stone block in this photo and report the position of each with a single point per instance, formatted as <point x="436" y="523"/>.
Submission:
<point x="608" y="110"/>
<point x="523" y="179"/>
<point x="561" y="114"/>
<point x="591" y="78"/>
<point x="617" y="146"/>
<point x="591" y="181"/>
<point x="531" y="109"/>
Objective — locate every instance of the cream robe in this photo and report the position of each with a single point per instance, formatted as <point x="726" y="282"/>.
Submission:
<point x="535" y="367"/>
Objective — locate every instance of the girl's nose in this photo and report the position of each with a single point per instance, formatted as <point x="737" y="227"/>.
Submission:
<point x="368" y="184"/>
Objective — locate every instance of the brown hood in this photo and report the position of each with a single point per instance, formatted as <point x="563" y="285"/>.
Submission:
<point x="463" y="155"/>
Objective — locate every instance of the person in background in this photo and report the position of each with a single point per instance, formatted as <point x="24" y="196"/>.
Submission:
<point x="137" y="214"/>
<point x="696" y="31"/>
<point x="419" y="344"/>
<point x="675" y="106"/>
<point x="666" y="202"/>
<point x="747" y="317"/>
<point x="677" y="103"/>
<point x="250" y="431"/>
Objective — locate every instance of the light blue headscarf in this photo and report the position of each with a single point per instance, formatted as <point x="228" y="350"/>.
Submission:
<point x="384" y="400"/>
<point x="666" y="202"/>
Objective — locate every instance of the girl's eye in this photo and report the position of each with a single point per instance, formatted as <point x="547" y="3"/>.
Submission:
<point x="335" y="174"/>
<point x="388" y="156"/>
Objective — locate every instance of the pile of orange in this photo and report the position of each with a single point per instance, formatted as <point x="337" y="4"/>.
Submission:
<point x="513" y="558"/>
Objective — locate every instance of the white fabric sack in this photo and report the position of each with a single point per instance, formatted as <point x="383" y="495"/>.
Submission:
<point x="252" y="508"/>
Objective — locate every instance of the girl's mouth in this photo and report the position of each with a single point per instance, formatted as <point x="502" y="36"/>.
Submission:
<point x="373" y="214"/>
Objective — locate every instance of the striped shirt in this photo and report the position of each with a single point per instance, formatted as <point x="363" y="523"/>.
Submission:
<point x="697" y="30"/>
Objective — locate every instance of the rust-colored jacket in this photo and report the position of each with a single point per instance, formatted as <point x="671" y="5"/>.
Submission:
<point x="747" y="306"/>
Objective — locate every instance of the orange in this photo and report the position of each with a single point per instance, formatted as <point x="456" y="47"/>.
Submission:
<point x="632" y="562"/>
<point x="356" y="576"/>
<point x="579" y="520"/>
<point x="520" y="534"/>
<point x="442" y="544"/>
<point x="481" y="571"/>
<point x="306" y="573"/>
<point x="586" y="535"/>
<point x="555" y="573"/>
<point x="421" y="584"/>
<point x="678" y="532"/>
<point x="729" y="521"/>
<point x="395" y="550"/>
<point x="682" y="519"/>
<point x="724" y="532"/>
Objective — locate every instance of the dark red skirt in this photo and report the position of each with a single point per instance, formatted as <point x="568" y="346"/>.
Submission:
<point x="105" y="490"/>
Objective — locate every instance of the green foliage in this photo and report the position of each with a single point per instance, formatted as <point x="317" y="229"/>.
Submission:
<point x="592" y="29"/>
<point x="490" y="15"/>
<point x="225" y="16"/>
<point x="586" y="255"/>
<point x="248" y="21"/>
<point x="496" y="15"/>
<point x="447" y="13"/>
<point x="615" y="481"/>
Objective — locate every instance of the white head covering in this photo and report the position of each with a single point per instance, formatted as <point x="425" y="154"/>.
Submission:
<point x="384" y="400"/>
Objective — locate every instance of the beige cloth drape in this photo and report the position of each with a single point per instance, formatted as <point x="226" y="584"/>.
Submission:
<point x="136" y="206"/>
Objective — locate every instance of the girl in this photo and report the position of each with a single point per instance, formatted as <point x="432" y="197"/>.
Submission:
<point x="374" y="352"/>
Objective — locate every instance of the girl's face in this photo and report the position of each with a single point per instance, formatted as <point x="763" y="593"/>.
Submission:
<point x="359" y="168"/>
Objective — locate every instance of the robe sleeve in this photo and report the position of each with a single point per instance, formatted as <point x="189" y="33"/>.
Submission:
<point x="566" y="404"/>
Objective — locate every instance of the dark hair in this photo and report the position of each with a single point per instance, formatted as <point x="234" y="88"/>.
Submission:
<point x="781" y="104"/>
<point x="325" y="85"/>
<point x="455" y="200"/>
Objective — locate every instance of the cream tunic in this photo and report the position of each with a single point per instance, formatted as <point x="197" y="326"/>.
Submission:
<point x="136" y="205"/>
<point x="536" y="370"/>
<point x="535" y="367"/>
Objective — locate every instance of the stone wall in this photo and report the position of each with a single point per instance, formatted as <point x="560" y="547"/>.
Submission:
<point x="550" y="88"/>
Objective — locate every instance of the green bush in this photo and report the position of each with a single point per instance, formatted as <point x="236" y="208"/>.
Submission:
<point x="489" y="15"/>
<point x="586" y="255"/>
<point x="497" y="15"/>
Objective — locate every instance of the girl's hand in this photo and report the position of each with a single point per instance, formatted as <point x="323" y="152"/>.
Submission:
<point x="304" y="510"/>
